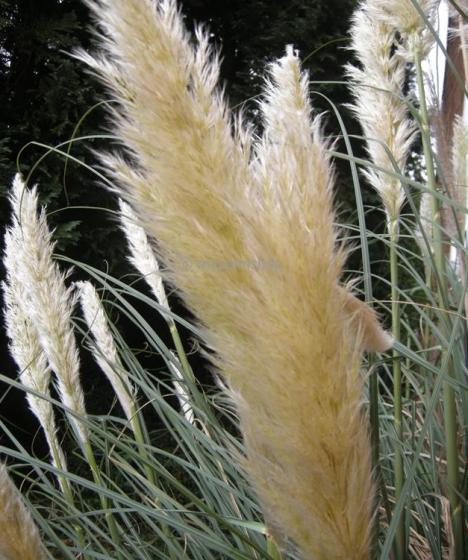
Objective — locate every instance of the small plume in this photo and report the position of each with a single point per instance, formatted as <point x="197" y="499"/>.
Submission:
<point x="141" y="253"/>
<point x="104" y="349"/>
<point x="144" y="260"/>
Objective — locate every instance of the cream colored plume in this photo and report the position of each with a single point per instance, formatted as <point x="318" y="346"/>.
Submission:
<point x="104" y="349"/>
<point x="48" y="302"/>
<point x="34" y="371"/>
<point x="411" y="24"/>
<point x="19" y="537"/>
<point x="144" y="260"/>
<point x="248" y="240"/>
<point x="141" y="253"/>
<point x="403" y="15"/>
<point x="377" y="87"/>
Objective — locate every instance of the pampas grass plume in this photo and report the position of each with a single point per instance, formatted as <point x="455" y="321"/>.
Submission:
<point x="48" y="301"/>
<point x="248" y="240"/>
<point x="143" y="258"/>
<point x="19" y="537"/>
<point x="377" y="86"/>
<point x="402" y="16"/>
<point x="141" y="253"/>
<point x="104" y="350"/>
<point x="25" y="347"/>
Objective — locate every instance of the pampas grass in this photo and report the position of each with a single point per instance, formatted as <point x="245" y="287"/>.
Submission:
<point x="379" y="105"/>
<point x="144" y="260"/>
<point x="142" y="254"/>
<point x="49" y="304"/>
<point x="409" y="18"/>
<point x="242" y="228"/>
<point x="377" y="87"/>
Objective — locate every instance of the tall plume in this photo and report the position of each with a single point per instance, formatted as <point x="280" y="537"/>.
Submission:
<point x="48" y="301"/>
<point x="248" y="240"/>
<point x="379" y="105"/>
<point x="34" y="371"/>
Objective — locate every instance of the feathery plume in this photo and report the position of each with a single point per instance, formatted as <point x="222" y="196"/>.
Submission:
<point x="252" y="249"/>
<point x="25" y="347"/>
<point x="288" y="425"/>
<point x="19" y="537"/>
<point x="403" y="16"/>
<point x="49" y="302"/>
<point x="377" y="89"/>
<point x="141" y="253"/>
<point x="144" y="260"/>
<point x="105" y="352"/>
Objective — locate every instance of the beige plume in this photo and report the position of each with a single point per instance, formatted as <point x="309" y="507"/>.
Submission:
<point x="248" y="240"/>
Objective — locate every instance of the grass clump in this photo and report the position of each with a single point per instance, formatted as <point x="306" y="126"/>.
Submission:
<point x="243" y="228"/>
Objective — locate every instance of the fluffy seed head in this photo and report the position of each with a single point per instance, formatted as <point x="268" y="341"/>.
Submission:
<point x="48" y="301"/>
<point x="143" y="258"/>
<point x="250" y="244"/>
<point x="403" y="16"/>
<point x="141" y="253"/>
<point x="377" y="86"/>
<point x="104" y="350"/>
<point x="25" y="347"/>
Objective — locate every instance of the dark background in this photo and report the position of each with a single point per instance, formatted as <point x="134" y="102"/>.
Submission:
<point x="46" y="97"/>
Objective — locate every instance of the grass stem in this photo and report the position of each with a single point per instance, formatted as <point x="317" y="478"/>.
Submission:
<point x="110" y="520"/>
<point x="400" y="539"/>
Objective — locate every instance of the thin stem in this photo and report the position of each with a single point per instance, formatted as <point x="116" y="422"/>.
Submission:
<point x="140" y="441"/>
<point x="450" y="410"/>
<point x="400" y="538"/>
